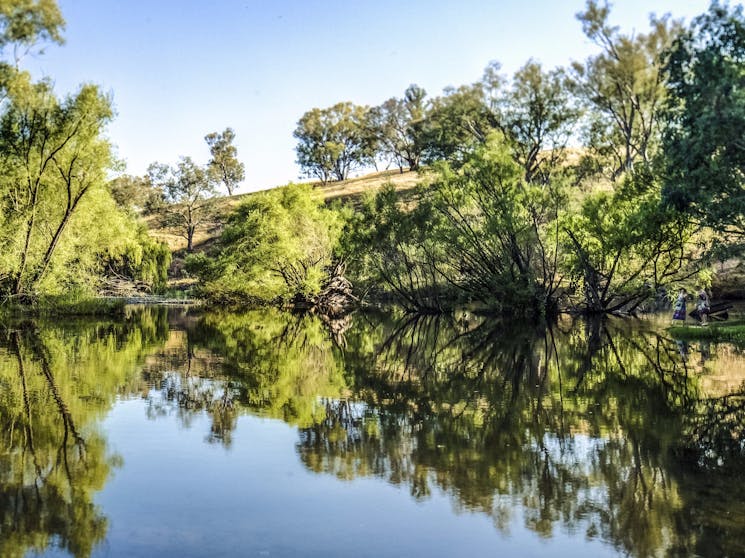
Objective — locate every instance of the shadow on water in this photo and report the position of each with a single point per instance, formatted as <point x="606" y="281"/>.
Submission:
<point x="605" y="430"/>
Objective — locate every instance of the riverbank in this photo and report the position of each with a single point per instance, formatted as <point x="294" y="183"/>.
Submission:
<point x="94" y="306"/>
<point x="731" y="332"/>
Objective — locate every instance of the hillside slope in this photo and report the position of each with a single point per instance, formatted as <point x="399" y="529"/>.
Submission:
<point x="345" y="191"/>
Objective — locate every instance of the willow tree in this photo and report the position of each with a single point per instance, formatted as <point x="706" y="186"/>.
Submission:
<point x="622" y="247"/>
<point x="479" y="233"/>
<point x="276" y="246"/>
<point x="54" y="161"/>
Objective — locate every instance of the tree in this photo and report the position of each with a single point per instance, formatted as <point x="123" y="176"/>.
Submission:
<point x="623" y="87"/>
<point x="479" y="233"/>
<point x="397" y="126"/>
<point x="704" y="150"/>
<point x="622" y="246"/>
<point x="333" y="141"/>
<point x="54" y="161"/>
<point x="277" y="245"/>
<point x="187" y="190"/>
<point x="457" y="122"/>
<point x="26" y="23"/>
<point x="224" y="164"/>
<point x="538" y="114"/>
<point x="500" y="231"/>
<point x="135" y="193"/>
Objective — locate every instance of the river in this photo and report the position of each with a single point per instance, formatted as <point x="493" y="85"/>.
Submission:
<point x="175" y="432"/>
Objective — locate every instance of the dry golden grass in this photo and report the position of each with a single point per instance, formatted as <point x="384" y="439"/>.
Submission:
<point x="357" y="187"/>
<point x="350" y="190"/>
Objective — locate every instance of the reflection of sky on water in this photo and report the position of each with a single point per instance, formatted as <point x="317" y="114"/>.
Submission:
<point x="259" y="435"/>
<point x="177" y="496"/>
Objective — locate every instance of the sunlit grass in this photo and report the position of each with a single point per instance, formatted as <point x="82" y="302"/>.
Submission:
<point x="733" y="332"/>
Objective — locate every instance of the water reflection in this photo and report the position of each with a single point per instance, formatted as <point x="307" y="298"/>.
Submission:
<point x="55" y="383"/>
<point x="607" y="430"/>
<point x="601" y="429"/>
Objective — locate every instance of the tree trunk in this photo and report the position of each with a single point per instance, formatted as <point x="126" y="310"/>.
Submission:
<point x="189" y="238"/>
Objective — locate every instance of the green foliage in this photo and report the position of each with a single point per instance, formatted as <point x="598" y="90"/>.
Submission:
<point x="478" y="233"/>
<point x="224" y="164"/>
<point x="732" y="332"/>
<point x="623" y="88"/>
<point x="53" y="192"/>
<point x="276" y="245"/>
<point x="538" y="113"/>
<point x="397" y="127"/>
<point x="622" y="246"/>
<point x="703" y="143"/>
<point x="498" y="229"/>
<point x="333" y="141"/>
<point x="135" y="193"/>
<point x="392" y="250"/>
<point x="142" y="258"/>
<point x="456" y="123"/>
<point x="187" y="190"/>
<point x="28" y="22"/>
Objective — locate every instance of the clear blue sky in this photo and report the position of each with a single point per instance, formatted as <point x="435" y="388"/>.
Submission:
<point x="179" y="69"/>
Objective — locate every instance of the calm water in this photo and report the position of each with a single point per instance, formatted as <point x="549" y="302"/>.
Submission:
<point x="267" y="434"/>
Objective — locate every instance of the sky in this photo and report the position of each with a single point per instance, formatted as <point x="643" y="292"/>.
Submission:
<point x="180" y="69"/>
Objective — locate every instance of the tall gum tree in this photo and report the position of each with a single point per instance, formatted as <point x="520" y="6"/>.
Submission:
<point x="188" y="190"/>
<point x="333" y="141"/>
<point x="397" y="126"/>
<point x="538" y="113"/>
<point x="224" y="164"/>
<point x="623" y="87"/>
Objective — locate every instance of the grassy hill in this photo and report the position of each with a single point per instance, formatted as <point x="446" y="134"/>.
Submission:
<point x="346" y="191"/>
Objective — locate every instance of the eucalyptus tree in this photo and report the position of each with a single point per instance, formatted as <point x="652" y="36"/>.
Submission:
<point x="457" y="122"/>
<point x="134" y="193"/>
<point x="704" y="150"/>
<point x="623" y="87"/>
<point x="539" y="114"/>
<point x="333" y="141"/>
<point x="397" y="126"/>
<point x="224" y="164"/>
<point x="187" y="190"/>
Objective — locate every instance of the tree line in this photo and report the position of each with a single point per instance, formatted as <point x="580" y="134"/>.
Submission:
<point x="610" y="103"/>
<point x="508" y="216"/>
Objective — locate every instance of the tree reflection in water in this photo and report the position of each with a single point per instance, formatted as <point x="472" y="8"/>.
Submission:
<point x="601" y="429"/>
<point x="606" y="430"/>
<point x="55" y="383"/>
